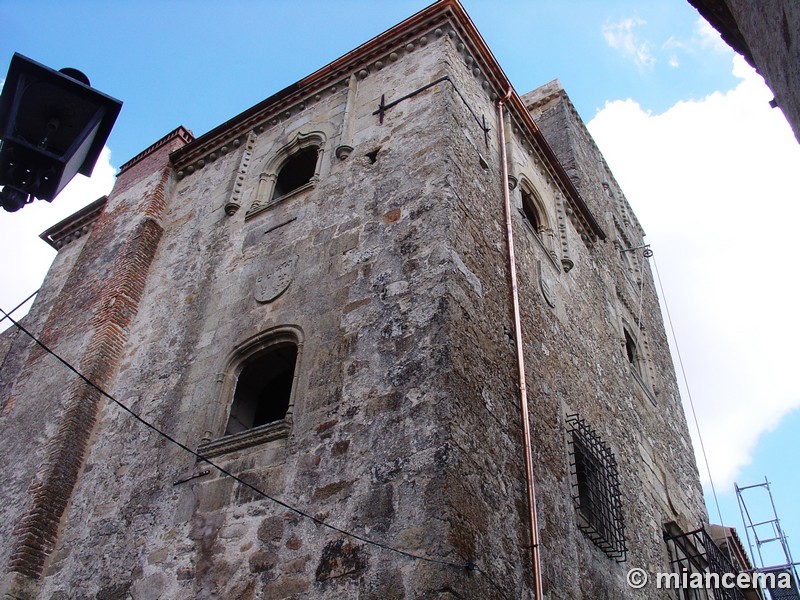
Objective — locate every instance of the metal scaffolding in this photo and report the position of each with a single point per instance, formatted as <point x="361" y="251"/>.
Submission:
<point x="761" y="527"/>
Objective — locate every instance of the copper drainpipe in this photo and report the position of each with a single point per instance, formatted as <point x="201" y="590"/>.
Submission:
<point x="523" y="391"/>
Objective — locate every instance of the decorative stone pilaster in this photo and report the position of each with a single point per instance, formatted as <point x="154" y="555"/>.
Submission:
<point x="566" y="262"/>
<point x="345" y="147"/>
<point x="235" y="200"/>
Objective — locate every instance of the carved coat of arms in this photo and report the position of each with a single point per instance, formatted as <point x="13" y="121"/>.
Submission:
<point x="544" y="285"/>
<point x="271" y="285"/>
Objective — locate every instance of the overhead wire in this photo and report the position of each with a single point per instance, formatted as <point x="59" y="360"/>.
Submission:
<point x="689" y="395"/>
<point x="17" y="307"/>
<point x="469" y="565"/>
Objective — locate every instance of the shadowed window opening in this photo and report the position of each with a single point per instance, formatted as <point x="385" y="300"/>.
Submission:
<point x="696" y="555"/>
<point x="264" y="389"/>
<point x="530" y="212"/>
<point x="630" y="348"/>
<point x="296" y="173"/>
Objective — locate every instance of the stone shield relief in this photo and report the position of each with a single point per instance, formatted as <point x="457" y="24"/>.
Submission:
<point x="271" y="285"/>
<point x="546" y="287"/>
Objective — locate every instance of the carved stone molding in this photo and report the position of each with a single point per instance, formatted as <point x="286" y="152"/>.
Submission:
<point x="343" y="151"/>
<point x="235" y="199"/>
<point x="245" y="439"/>
<point x="566" y="261"/>
<point x="268" y="177"/>
<point x="345" y="146"/>
<point x="75" y="226"/>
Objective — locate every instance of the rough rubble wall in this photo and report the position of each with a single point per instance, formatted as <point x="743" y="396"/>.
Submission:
<point x="368" y="450"/>
<point x="487" y="492"/>
<point x="585" y="369"/>
<point x="26" y="429"/>
<point x="87" y="324"/>
<point x="405" y="423"/>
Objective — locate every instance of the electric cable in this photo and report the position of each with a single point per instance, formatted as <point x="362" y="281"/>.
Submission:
<point x="469" y="565"/>
<point x="689" y="395"/>
<point x="17" y="307"/>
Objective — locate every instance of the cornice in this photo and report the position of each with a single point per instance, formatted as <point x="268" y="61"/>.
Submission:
<point x="74" y="226"/>
<point x="445" y="17"/>
<point x="179" y="132"/>
<point x="367" y="58"/>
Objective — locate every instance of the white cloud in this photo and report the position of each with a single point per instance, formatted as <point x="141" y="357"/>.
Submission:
<point x="708" y="37"/>
<point x="621" y="36"/>
<point x="704" y="39"/>
<point x="25" y="257"/>
<point x="674" y="43"/>
<point x="713" y="184"/>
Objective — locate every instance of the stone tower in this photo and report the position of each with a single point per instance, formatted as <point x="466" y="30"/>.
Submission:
<point x="316" y="296"/>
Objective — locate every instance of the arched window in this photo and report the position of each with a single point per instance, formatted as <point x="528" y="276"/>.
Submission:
<point x="636" y="353"/>
<point x="531" y="212"/>
<point x="535" y="214"/>
<point x="631" y="350"/>
<point x="296" y="166"/>
<point x="256" y="392"/>
<point x="296" y="172"/>
<point x="263" y="388"/>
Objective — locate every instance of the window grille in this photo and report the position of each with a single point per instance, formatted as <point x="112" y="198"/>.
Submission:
<point x="696" y="552"/>
<point x="596" y="489"/>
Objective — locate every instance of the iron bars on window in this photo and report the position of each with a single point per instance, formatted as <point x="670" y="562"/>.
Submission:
<point x="596" y="489"/>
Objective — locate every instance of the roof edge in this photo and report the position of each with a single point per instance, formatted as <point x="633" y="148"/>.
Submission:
<point x="74" y="226"/>
<point x="320" y="78"/>
<point x="525" y="119"/>
<point x="232" y="131"/>
<point x="180" y="132"/>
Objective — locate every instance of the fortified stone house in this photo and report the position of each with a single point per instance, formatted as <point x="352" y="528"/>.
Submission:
<point x="317" y="297"/>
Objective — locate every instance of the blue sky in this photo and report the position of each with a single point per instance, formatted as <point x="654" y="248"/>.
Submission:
<point x="199" y="63"/>
<point x="683" y="124"/>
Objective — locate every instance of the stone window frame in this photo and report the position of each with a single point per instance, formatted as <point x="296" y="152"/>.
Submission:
<point x="226" y="389"/>
<point x="631" y="263"/>
<point x="596" y="490"/>
<point x="638" y="364"/>
<point x="545" y="234"/>
<point x="268" y="177"/>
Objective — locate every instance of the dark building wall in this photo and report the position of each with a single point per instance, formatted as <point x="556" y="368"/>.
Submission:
<point x="767" y="34"/>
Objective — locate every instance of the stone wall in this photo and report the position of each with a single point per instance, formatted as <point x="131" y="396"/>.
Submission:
<point x="636" y="411"/>
<point x="404" y="422"/>
<point x="368" y="449"/>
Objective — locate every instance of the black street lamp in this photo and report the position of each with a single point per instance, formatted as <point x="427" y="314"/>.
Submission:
<point x="52" y="126"/>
